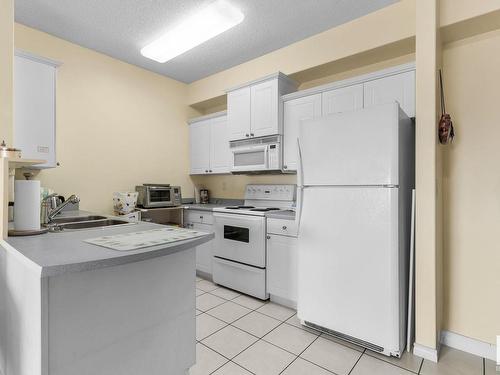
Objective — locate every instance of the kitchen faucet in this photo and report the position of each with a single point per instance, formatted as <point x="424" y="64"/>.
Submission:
<point x="49" y="212"/>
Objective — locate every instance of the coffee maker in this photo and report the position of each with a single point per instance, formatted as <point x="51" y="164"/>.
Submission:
<point x="204" y="198"/>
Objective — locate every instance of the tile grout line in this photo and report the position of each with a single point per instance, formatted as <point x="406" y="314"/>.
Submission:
<point x="257" y="337"/>
<point x="228" y="360"/>
<point x="421" y="364"/>
<point x="367" y="352"/>
<point x="356" y="363"/>
<point x="244" y="368"/>
<point x="299" y="356"/>
<point x="262" y="338"/>
<point x="227" y="324"/>
<point x="277" y="346"/>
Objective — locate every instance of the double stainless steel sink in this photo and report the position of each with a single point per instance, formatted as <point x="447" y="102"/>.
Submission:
<point x="84" y="222"/>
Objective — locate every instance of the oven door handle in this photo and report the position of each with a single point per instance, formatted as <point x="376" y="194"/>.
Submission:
<point x="238" y="217"/>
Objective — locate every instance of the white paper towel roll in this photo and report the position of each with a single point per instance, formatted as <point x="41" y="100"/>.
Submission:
<point x="27" y="205"/>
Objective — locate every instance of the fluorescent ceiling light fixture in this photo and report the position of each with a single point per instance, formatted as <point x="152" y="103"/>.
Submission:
<point x="207" y="23"/>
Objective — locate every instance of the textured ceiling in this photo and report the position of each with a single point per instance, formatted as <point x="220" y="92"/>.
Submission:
<point x="120" y="28"/>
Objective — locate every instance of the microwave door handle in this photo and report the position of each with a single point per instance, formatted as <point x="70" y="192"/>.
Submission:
<point x="266" y="159"/>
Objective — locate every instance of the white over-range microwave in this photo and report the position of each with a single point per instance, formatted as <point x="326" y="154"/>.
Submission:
<point x="256" y="155"/>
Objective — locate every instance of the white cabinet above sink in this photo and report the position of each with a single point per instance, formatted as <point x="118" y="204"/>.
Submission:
<point x="35" y="108"/>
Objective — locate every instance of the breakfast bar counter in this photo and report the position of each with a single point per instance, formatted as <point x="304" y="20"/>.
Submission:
<point x="76" y="308"/>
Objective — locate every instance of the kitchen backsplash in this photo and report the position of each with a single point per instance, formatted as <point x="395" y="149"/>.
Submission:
<point x="233" y="186"/>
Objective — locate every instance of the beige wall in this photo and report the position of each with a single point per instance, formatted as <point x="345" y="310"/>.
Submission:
<point x="472" y="188"/>
<point x="117" y="125"/>
<point x="6" y="62"/>
<point x="234" y="186"/>
<point x="427" y="270"/>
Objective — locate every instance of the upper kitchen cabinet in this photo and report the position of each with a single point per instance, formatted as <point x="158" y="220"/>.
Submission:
<point x="388" y="85"/>
<point x="295" y="111"/>
<point x="35" y="108"/>
<point x="398" y="87"/>
<point x="238" y="113"/>
<point x="256" y="109"/>
<point x="209" y="144"/>
<point x="220" y="155"/>
<point x="342" y="100"/>
<point x="199" y="138"/>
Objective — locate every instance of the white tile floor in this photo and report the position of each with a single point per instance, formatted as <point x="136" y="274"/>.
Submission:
<point x="240" y="335"/>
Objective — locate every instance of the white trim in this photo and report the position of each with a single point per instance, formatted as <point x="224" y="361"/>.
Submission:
<point x="40" y="59"/>
<point x="469" y="345"/>
<point x="352" y="81"/>
<point x="277" y="75"/>
<point x="207" y="117"/>
<point x="425" y="352"/>
<point x="283" y="301"/>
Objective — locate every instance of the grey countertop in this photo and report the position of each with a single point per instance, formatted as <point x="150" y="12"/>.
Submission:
<point x="58" y="253"/>
<point x="285" y="214"/>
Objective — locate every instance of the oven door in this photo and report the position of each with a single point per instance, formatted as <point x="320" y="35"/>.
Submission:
<point x="241" y="238"/>
<point x="249" y="158"/>
<point x="159" y="197"/>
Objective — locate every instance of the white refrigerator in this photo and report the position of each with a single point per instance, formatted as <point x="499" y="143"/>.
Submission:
<point x="355" y="176"/>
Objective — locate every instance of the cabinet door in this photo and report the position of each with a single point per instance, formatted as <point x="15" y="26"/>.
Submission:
<point x="34" y="110"/>
<point x="204" y="251"/>
<point x="264" y="109"/>
<point x="199" y="136"/>
<point x="238" y="113"/>
<point x="399" y="87"/>
<point x="282" y="266"/>
<point x="220" y="154"/>
<point x="295" y="111"/>
<point x="342" y="100"/>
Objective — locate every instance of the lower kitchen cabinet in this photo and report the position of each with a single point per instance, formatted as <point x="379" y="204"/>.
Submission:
<point x="202" y="221"/>
<point x="282" y="254"/>
<point x="204" y="252"/>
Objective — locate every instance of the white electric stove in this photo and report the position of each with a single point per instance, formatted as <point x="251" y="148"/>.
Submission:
<point x="240" y="238"/>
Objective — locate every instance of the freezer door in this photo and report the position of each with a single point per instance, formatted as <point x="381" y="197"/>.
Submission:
<point x="348" y="262"/>
<point x="351" y="148"/>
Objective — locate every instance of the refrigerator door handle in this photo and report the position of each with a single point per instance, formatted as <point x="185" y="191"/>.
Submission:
<point x="300" y="187"/>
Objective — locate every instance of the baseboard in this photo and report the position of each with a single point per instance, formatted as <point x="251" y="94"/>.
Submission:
<point x="425" y="352"/>
<point x="204" y="275"/>
<point x="469" y="345"/>
<point x="283" y="301"/>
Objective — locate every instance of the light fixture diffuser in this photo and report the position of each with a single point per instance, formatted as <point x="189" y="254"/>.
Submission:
<point x="207" y="23"/>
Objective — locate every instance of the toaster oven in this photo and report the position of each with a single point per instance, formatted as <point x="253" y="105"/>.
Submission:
<point x="158" y="195"/>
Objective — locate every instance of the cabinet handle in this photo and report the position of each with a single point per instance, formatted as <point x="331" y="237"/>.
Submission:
<point x="284" y="227"/>
<point x="247" y="135"/>
<point x="268" y="237"/>
<point x="206" y="170"/>
<point x="285" y="167"/>
<point x="251" y="134"/>
<point x="201" y="217"/>
<point x="210" y="171"/>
